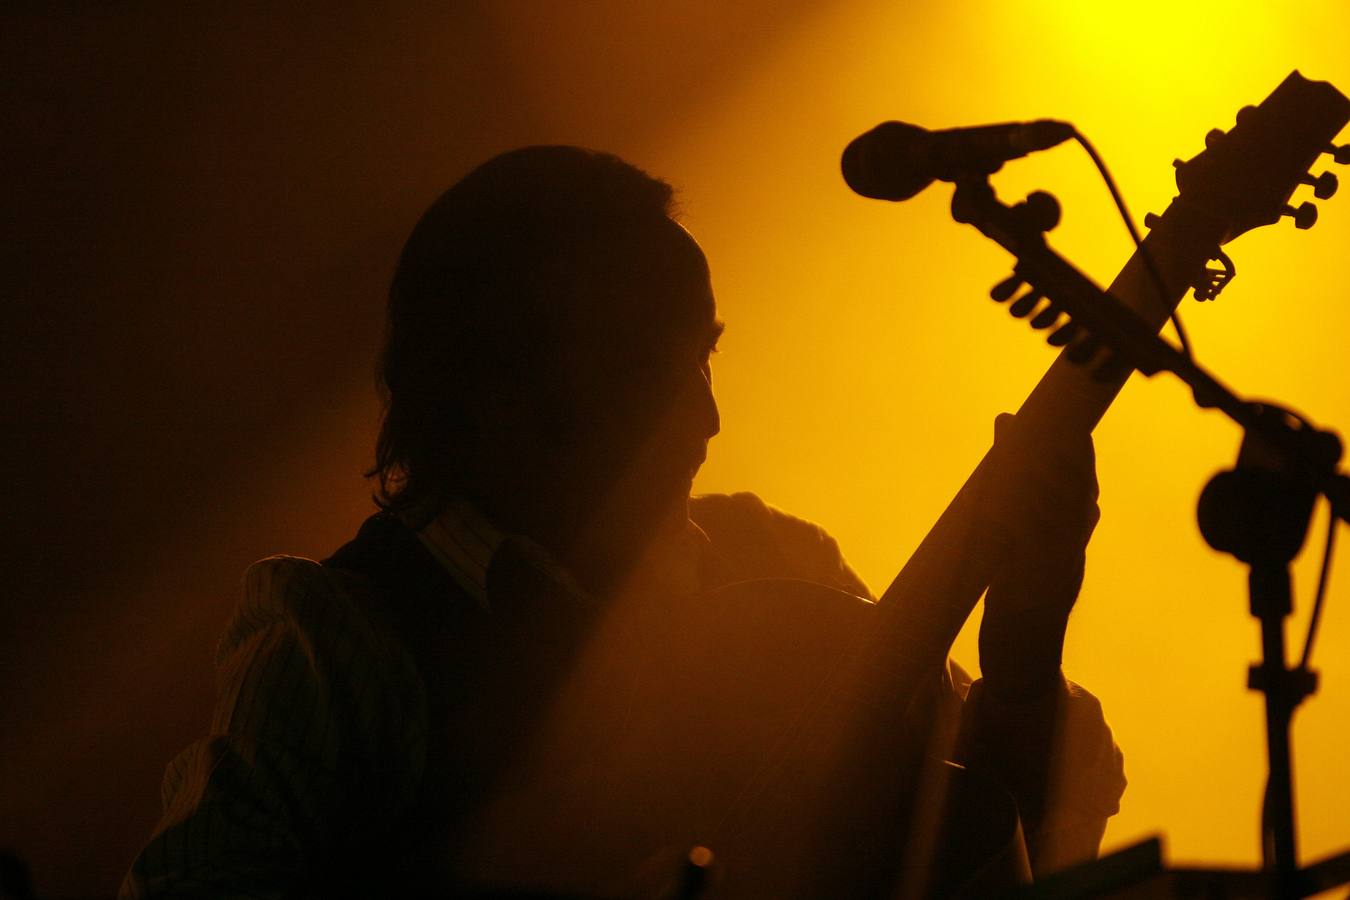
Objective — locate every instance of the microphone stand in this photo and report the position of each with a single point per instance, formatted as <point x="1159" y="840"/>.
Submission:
<point x="1258" y="512"/>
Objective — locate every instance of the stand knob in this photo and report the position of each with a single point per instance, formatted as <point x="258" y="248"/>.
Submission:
<point x="1004" y="290"/>
<point x="1023" y="305"/>
<point x="1045" y="318"/>
<point x="1040" y="211"/>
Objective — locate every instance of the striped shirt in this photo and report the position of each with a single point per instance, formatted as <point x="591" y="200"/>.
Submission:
<point x="464" y="542"/>
<point x="315" y="695"/>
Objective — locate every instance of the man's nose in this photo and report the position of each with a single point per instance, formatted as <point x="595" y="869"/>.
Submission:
<point x="711" y="418"/>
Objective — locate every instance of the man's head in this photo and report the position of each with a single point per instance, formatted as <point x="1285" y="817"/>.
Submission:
<point x="549" y="325"/>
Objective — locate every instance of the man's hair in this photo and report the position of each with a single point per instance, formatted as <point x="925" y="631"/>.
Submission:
<point x="477" y="304"/>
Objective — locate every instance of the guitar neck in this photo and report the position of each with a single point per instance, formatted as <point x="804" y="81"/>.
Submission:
<point x="1067" y="400"/>
<point x="926" y="605"/>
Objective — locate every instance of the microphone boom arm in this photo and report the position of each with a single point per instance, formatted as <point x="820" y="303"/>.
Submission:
<point x="1309" y="453"/>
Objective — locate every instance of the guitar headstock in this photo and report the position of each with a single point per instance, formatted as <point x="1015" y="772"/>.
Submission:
<point x="1246" y="176"/>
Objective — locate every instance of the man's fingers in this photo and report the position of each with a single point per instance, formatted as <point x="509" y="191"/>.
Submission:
<point x="1055" y="452"/>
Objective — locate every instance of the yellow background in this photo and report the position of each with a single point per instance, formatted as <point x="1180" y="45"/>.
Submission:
<point x="862" y="366"/>
<point x="207" y="206"/>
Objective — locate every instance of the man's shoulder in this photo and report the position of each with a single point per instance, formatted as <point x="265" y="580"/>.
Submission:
<point x="297" y="587"/>
<point x="381" y="592"/>
<point x="755" y="539"/>
<point x="744" y="509"/>
<point x="315" y="603"/>
<point x="741" y="501"/>
<point x="284" y="573"/>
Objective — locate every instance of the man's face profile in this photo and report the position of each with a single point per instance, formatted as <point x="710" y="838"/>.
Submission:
<point x="638" y="371"/>
<point x="550" y="328"/>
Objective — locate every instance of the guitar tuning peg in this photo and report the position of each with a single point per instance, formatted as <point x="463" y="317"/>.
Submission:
<point x="1324" y="185"/>
<point x="1025" y="303"/>
<point x="1005" y="289"/>
<point x="1040" y="210"/>
<point x="1045" y="318"/>
<point x="1151" y="220"/>
<point x="1340" y="154"/>
<point x="1062" y="335"/>
<point x="1304" y="217"/>
<point x="1213" y="137"/>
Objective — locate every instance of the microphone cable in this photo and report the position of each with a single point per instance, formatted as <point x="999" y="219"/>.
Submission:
<point x="1149" y="262"/>
<point x="1327" y="549"/>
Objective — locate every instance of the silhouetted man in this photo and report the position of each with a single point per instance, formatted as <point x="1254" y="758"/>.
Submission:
<point x="469" y="693"/>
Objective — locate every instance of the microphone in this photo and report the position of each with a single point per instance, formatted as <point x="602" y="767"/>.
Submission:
<point x="896" y="160"/>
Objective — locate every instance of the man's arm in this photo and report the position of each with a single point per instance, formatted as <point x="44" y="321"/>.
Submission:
<point x="1056" y="755"/>
<point x="1043" y="738"/>
<point x="313" y="703"/>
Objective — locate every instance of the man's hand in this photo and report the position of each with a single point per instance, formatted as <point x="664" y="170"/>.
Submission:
<point x="1040" y="501"/>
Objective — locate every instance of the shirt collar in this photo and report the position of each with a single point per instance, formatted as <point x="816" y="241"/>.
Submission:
<point x="464" y="542"/>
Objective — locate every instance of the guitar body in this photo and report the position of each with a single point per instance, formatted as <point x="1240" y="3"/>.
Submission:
<point x="733" y="736"/>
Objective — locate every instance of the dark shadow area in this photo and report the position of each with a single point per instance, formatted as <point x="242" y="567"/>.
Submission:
<point x="202" y="214"/>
